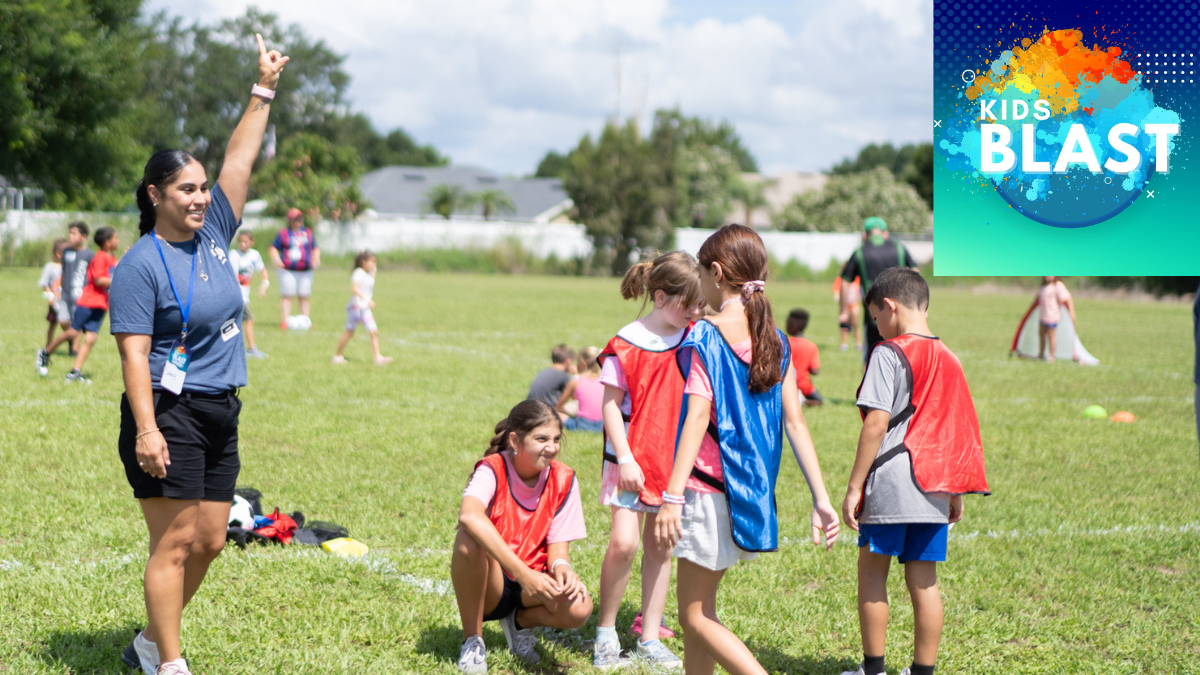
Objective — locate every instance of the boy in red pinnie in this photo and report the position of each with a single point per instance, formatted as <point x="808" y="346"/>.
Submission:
<point x="918" y="453"/>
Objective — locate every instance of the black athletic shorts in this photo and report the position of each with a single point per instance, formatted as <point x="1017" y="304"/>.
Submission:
<point x="510" y="600"/>
<point x="201" y="431"/>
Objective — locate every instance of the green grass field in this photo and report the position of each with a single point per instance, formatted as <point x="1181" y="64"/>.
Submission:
<point x="1084" y="559"/>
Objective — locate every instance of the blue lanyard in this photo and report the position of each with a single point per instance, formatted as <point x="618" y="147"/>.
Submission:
<point x="183" y="311"/>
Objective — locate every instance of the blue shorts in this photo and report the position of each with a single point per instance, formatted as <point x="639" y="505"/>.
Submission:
<point x="88" y="319"/>
<point x="583" y="424"/>
<point x="906" y="541"/>
<point x="1050" y="326"/>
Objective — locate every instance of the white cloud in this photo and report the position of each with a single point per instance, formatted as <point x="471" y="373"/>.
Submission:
<point x="499" y="83"/>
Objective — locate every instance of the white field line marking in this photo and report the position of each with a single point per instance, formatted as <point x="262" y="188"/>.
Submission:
<point x="34" y="403"/>
<point x="374" y="562"/>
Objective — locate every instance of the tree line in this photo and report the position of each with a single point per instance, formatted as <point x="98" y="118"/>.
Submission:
<point x="89" y="89"/>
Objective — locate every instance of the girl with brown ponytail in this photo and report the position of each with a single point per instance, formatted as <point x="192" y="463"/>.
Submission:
<point x="719" y="505"/>
<point x="520" y="512"/>
<point x="643" y="390"/>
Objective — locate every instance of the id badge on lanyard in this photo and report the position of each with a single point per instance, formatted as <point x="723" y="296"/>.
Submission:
<point x="175" y="369"/>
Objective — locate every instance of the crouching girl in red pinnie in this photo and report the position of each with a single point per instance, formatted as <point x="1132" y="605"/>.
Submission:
<point x="511" y="564"/>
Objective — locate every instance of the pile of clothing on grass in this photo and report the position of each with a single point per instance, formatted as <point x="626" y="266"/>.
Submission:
<point x="248" y="524"/>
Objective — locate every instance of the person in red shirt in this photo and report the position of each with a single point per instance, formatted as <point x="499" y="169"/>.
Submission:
<point x="92" y="304"/>
<point x="805" y="357"/>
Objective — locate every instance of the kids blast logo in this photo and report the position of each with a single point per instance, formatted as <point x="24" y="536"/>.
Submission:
<point x="1068" y="134"/>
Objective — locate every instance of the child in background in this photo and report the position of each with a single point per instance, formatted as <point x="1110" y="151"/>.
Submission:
<point x="57" y="315"/>
<point x="642" y="384"/>
<point x="511" y="563"/>
<point x="548" y="385"/>
<point x="1051" y="298"/>
<point x="739" y="399"/>
<point x="918" y="453"/>
<point x="587" y="391"/>
<point x="848" y="320"/>
<point x="92" y="304"/>
<point x="806" y="360"/>
<point x="358" y="310"/>
<point x="246" y="261"/>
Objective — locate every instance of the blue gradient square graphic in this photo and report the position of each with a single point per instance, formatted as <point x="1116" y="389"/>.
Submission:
<point x="1096" y="66"/>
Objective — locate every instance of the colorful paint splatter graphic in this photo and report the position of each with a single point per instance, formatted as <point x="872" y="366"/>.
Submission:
<point x="1066" y="83"/>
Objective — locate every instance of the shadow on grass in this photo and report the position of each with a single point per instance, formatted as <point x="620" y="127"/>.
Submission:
<point x="444" y="642"/>
<point x="88" y="651"/>
<point x="775" y="661"/>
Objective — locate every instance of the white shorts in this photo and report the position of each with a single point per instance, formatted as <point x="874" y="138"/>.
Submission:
<point x="355" y="316"/>
<point x="610" y="493"/>
<point x="292" y="283"/>
<point x="707" y="538"/>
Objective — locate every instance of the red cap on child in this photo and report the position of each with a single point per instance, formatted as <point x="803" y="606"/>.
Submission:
<point x="294" y="213"/>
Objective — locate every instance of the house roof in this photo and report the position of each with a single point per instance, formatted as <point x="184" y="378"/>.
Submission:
<point x="401" y="190"/>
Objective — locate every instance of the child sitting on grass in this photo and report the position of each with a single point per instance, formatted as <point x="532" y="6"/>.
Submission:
<point x="586" y="392"/>
<point x="805" y="357"/>
<point x="918" y="453"/>
<point x="511" y="563"/>
<point x="549" y="383"/>
<point x="358" y="310"/>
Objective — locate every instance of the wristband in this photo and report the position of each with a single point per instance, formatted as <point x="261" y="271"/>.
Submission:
<point x="672" y="499"/>
<point x="560" y="561"/>
<point x="149" y="431"/>
<point x="263" y="93"/>
<point x="625" y="459"/>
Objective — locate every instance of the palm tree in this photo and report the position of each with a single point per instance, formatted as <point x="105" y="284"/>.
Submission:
<point x="752" y="197"/>
<point x="445" y="199"/>
<point x="493" y="201"/>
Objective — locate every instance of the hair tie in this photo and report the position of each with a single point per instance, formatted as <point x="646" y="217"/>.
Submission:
<point x="752" y="286"/>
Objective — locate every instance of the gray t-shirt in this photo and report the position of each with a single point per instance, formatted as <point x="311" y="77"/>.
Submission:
<point x="74" y="272"/>
<point x="548" y="385"/>
<point x="141" y="302"/>
<point x="891" y="494"/>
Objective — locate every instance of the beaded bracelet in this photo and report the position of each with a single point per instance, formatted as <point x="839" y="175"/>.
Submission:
<point x="672" y="499"/>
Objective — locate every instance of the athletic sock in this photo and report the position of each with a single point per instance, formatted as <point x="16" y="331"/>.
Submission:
<point x="920" y="670"/>
<point x="872" y="665"/>
<point x="606" y="634"/>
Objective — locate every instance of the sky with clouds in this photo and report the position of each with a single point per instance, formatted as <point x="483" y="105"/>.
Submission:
<point x="497" y="83"/>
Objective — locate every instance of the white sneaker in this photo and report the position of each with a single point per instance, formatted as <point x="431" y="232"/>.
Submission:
<point x="339" y="360"/>
<point x="520" y="642"/>
<point x="43" y="363"/>
<point x="176" y="667"/>
<point x="854" y="672"/>
<point x="472" y="658"/>
<point x="142" y="654"/>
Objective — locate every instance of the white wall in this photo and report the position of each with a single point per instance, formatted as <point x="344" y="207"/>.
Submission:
<point x="813" y="249"/>
<point x="387" y="233"/>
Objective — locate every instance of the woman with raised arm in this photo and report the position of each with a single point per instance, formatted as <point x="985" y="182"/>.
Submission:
<point x="176" y="313"/>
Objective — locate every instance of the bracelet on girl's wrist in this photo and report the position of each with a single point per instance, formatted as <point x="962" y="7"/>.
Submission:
<point x="148" y="431"/>
<point x="625" y="459"/>
<point x="265" y="94"/>
<point x="672" y="499"/>
<point x="561" y="561"/>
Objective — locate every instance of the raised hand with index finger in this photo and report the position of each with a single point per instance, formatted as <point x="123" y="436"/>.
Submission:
<point x="270" y="64"/>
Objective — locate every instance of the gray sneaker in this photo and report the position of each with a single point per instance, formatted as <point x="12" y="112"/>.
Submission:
<point x="256" y="353"/>
<point x="76" y="376"/>
<point x="520" y="642"/>
<point x="656" y="653"/>
<point x="142" y="654"/>
<point x="472" y="658"/>
<point x="607" y="655"/>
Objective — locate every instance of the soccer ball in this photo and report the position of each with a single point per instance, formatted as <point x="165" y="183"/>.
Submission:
<point x="299" y="322"/>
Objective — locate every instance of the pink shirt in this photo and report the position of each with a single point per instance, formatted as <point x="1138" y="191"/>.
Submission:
<point x="1050" y="299"/>
<point x="589" y="391"/>
<point x="709" y="458"/>
<point x="567" y="524"/>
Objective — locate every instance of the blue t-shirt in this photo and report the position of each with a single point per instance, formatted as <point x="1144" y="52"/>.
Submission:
<point x="141" y="302"/>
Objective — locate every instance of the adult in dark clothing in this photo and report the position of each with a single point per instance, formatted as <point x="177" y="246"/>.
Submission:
<point x="76" y="258"/>
<point x="875" y="255"/>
